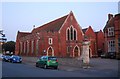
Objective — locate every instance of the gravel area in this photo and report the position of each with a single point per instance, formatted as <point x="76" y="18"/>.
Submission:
<point x="73" y="64"/>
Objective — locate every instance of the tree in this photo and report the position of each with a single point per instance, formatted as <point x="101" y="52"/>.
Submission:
<point x="9" y="46"/>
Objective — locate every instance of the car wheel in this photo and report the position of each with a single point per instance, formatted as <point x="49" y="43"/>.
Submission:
<point x="45" y="66"/>
<point x="9" y="61"/>
<point x="37" y="65"/>
<point x="56" y="67"/>
<point x="20" y="62"/>
<point x="12" y="62"/>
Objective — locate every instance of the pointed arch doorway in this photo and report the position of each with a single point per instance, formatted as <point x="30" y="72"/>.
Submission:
<point x="50" y="51"/>
<point x="76" y="51"/>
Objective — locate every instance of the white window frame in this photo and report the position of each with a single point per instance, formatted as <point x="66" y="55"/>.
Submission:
<point x="68" y="49"/>
<point x="50" y="41"/>
<point x="72" y="31"/>
<point x="111" y="46"/>
<point x="76" y="33"/>
<point x="67" y="33"/>
<point x="111" y="31"/>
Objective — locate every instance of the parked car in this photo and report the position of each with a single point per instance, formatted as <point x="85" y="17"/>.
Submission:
<point x="6" y="58"/>
<point x="112" y="55"/>
<point x="47" y="61"/>
<point x="104" y="55"/>
<point x="15" y="59"/>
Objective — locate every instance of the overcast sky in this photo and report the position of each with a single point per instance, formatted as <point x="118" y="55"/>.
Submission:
<point x="23" y="15"/>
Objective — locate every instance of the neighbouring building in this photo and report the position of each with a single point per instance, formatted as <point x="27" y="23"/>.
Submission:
<point x="91" y="36"/>
<point x="100" y="42"/>
<point x="112" y="35"/>
<point x="62" y="38"/>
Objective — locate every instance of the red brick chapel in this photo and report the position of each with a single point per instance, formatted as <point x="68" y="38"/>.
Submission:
<point x="62" y="37"/>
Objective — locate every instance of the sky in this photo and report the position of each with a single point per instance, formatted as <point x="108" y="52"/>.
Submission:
<point x="23" y="15"/>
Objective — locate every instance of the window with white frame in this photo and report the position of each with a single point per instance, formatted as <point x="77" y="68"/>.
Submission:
<point x="50" y="41"/>
<point x="68" y="49"/>
<point x="111" y="31"/>
<point x="111" y="46"/>
<point x="75" y="34"/>
<point x="71" y="33"/>
<point x="68" y="34"/>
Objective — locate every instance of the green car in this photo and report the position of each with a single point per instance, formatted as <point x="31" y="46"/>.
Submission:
<point x="47" y="61"/>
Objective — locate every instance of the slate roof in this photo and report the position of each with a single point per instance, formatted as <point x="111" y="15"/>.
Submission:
<point x="51" y="26"/>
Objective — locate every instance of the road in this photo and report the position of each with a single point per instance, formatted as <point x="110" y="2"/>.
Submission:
<point x="24" y="70"/>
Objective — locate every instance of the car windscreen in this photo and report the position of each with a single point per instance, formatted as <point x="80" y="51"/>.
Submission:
<point x="52" y="58"/>
<point x="7" y="56"/>
<point x="17" y="57"/>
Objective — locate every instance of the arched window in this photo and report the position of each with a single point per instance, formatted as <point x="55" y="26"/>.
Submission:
<point x="68" y="34"/>
<point x="75" y="35"/>
<point x="71" y="33"/>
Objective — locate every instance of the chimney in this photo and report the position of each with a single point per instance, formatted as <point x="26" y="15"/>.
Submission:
<point x="110" y="16"/>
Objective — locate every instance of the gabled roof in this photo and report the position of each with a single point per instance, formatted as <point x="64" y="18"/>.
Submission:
<point x="52" y="26"/>
<point x="110" y="23"/>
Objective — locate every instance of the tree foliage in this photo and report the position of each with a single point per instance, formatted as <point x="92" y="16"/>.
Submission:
<point x="9" y="46"/>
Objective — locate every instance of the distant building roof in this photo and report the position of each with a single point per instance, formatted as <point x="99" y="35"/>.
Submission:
<point x="21" y="34"/>
<point x="84" y="30"/>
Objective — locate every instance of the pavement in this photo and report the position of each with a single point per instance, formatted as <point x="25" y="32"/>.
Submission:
<point x="73" y="64"/>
